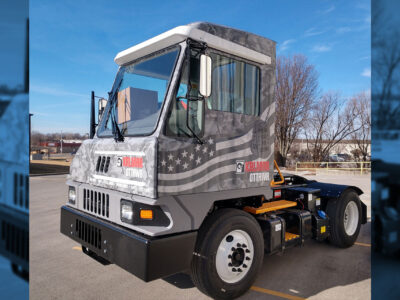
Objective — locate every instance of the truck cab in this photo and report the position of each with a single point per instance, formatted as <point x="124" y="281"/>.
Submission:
<point x="180" y="173"/>
<point x="384" y="187"/>
<point x="14" y="182"/>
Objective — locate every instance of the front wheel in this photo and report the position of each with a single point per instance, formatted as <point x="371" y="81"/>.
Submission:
<point x="229" y="254"/>
<point x="344" y="219"/>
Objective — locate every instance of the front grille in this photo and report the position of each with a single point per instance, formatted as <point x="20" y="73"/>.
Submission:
<point x="88" y="233"/>
<point x="15" y="240"/>
<point x="103" y="163"/>
<point x="96" y="202"/>
<point x="21" y="190"/>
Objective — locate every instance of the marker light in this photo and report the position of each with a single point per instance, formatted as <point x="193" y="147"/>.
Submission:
<point x="146" y="214"/>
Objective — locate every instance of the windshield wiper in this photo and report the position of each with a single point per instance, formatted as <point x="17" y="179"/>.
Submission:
<point x="118" y="136"/>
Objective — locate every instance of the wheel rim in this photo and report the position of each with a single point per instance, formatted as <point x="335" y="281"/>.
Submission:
<point x="351" y="218"/>
<point x="234" y="256"/>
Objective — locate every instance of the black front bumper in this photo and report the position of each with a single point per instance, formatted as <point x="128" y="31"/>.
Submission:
<point x="14" y="236"/>
<point x="146" y="257"/>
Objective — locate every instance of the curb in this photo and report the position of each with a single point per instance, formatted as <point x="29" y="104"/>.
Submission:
<point x="48" y="174"/>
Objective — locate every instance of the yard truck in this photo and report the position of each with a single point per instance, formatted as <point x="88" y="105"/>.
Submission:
<point x="179" y="173"/>
<point x="14" y="182"/>
<point x="14" y="172"/>
<point x="384" y="188"/>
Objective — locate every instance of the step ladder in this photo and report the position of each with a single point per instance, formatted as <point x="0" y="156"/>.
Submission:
<point x="290" y="236"/>
<point x="270" y="206"/>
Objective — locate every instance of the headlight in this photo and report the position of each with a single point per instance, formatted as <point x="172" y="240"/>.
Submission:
<point x="72" y="195"/>
<point x="126" y="211"/>
<point x="142" y="214"/>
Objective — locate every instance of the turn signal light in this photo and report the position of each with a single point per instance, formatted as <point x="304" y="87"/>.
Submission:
<point x="146" y="214"/>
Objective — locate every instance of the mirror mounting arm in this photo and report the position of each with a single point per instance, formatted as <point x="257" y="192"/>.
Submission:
<point x="93" y="124"/>
<point x="201" y="47"/>
<point x="187" y="123"/>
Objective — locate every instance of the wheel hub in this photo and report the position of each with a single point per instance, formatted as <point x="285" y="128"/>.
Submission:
<point x="351" y="217"/>
<point x="237" y="257"/>
<point x="234" y="256"/>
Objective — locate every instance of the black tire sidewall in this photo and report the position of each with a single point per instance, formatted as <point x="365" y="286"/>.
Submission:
<point x="345" y="239"/>
<point x="240" y="221"/>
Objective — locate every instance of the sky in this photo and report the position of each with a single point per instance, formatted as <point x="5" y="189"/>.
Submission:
<point x="73" y="44"/>
<point x="13" y="15"/>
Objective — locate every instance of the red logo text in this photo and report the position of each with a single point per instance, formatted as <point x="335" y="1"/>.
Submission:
<point x="132" y="162"/>
<point x="256" y="166"/>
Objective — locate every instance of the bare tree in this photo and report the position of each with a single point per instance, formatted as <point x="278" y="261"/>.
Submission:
<point x="328" y="125"/>
<point x="296" y="88"/>
<point x="5" y="90"/>
<point x="37" y="137"/>
<point x="386" y="71"/>
<point x="360" y="104"/>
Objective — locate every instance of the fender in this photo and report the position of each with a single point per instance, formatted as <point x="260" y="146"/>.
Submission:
<point x="335" y="191"/>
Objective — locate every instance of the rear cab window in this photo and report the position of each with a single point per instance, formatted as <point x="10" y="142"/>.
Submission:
<point x="235" y="86"/>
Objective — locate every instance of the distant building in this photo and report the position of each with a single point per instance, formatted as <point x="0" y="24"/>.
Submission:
<point x="344" y="147"/>
<point x="68" y="146"/>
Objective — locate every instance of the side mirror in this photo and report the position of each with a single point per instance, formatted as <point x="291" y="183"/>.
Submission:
<point x="102" y="106"/>
<point x="205" y="75"/>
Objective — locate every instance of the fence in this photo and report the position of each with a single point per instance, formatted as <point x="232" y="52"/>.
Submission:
<point x="60" y="156"/>
<point x="362" y="166"/>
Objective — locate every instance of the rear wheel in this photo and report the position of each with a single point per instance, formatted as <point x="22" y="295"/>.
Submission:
<point x="344" y="219"/>
<point x="229" y="254"/>
<point x="19" y="271"/>
<point x="377" y="234"/>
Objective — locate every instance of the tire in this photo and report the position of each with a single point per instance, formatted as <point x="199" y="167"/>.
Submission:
<point x="344" y="233"/>
<point x="210" y="271"/>
<point x="17" y="270"/>
<point x="377" y="233"/>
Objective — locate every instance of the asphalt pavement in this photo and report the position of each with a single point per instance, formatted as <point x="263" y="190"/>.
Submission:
<point x="59" y="269"/>
<point x="11" y="286"/>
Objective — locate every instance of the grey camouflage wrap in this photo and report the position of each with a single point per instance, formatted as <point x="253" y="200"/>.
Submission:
<point x="177" y="166"/>
<point x="141" y="182"/>
<point x="14" y="151"/>
<point x="186" y="167"/>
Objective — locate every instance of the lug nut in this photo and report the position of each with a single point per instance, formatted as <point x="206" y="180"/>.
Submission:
<point x="229" y="256"/>
<point x="233" y="270"/>
<point x="238" y="245"/>
<point x="247" y="251"/>
<point x="230" y="265"/>
<point x="247" y="258"/>
<point x="244" y="246"/>
<point x="233" y="249"/>
<point x="244" y="266"/>
<point x="239" y="270"/>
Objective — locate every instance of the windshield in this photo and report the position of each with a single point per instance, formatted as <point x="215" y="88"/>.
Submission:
<point x="138" y="100"/>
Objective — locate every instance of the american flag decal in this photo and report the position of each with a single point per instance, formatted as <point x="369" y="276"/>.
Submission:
<point x="185" y="167"/>
<point x="188" y="158"/>
<point x="196" y="165"/>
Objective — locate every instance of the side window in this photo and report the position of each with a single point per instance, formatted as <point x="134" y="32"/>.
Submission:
<point x="177" y="124"/>
<point x="235" y="86"/>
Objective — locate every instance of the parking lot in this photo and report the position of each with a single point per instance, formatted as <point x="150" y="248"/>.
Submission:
<point x="12" y="286"/>
<point x="59" y="269"/>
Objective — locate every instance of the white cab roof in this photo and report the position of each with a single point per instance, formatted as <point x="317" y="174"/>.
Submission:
<point x="181" y="33"/>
